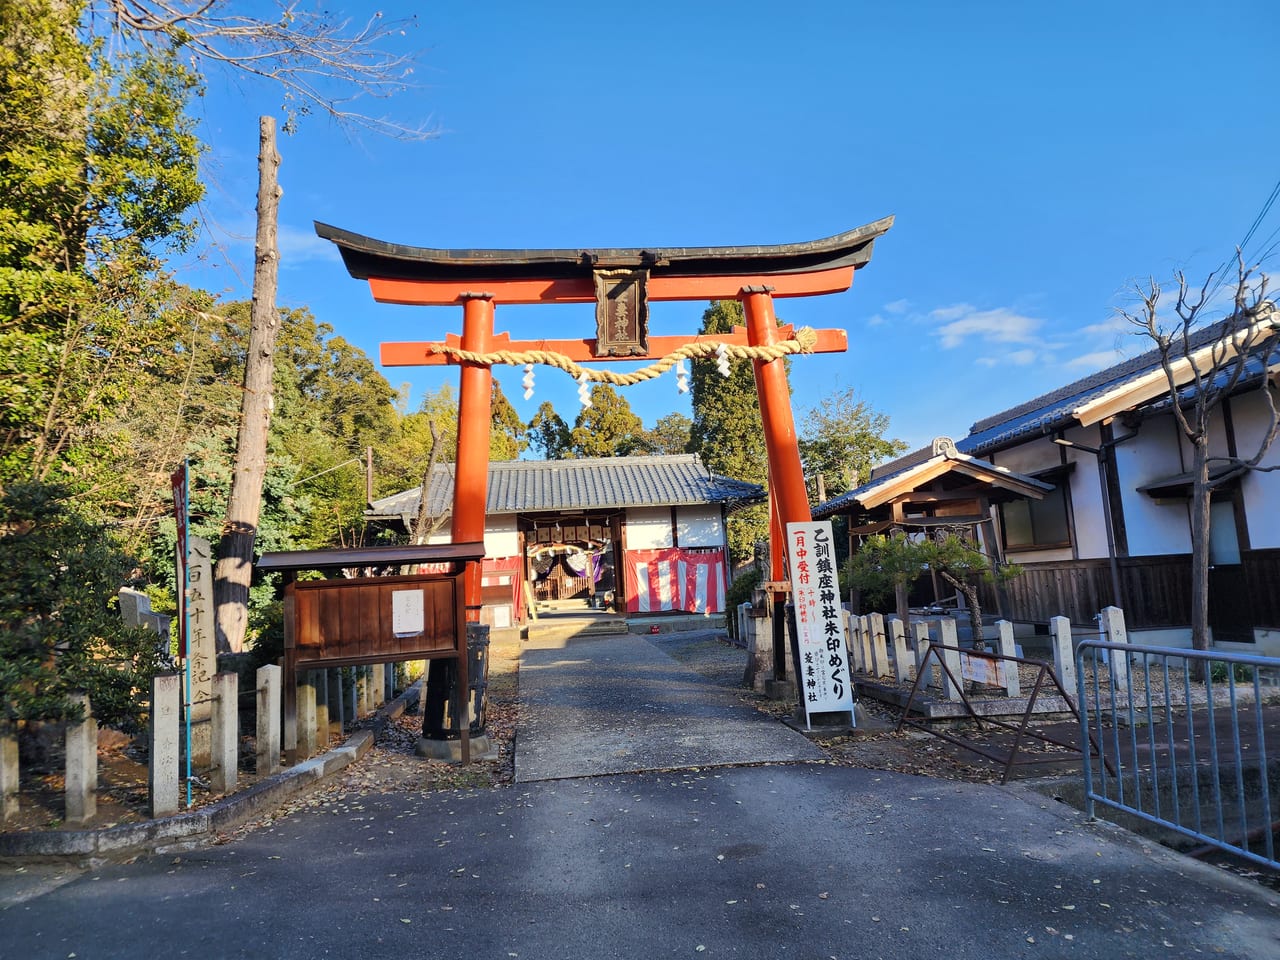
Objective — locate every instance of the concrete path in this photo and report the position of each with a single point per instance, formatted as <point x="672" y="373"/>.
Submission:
<point x="802" y="860"/>
<point x="620" y="705"/>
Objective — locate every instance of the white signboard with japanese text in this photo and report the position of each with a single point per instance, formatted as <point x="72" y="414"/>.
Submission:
<point x="408" y="613"/>
<point x="823" y="667"/>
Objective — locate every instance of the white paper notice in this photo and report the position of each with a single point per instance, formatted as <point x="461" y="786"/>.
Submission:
<point x="407" y="618"/>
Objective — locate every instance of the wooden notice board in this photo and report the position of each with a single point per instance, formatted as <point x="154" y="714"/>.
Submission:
<point x="345" y="621"/>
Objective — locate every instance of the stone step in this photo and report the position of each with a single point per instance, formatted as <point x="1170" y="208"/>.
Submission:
<point x="560" y="631"/>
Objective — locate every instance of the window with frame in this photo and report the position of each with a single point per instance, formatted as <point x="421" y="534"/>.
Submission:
<point x="1036" y="524"/>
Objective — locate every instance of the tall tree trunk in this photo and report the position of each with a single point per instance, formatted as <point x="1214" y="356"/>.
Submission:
<point x="235" y="551"/>
<point x="1200" y="494"/>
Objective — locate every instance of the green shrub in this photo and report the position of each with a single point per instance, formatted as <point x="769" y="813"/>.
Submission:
<point x="1218" y="672"/>
<point x="60" y="631"/>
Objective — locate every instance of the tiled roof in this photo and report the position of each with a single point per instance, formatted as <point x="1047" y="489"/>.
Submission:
<point x="922" y="468"/>
<point x="530" y="486"/>
<point x="1053" y="410"/>
<point x="1045" y="414"/>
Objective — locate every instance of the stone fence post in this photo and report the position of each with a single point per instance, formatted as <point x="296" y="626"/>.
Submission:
<point x="1007" y="648"/>
<point x="901" y="657"/>
<point x="1113" y="631"/>
<point x="8" y="772"/>
<point x="270" y="684"/>
<point x="162" y="764"/>
<point x="225" y="733"/>
<point x="951" y="657"/>
<point x="1064" y="656"/>
<point x="82" y="765"/>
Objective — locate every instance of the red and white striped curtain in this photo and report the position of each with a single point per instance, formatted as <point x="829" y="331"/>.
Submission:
<point x="674" y="579"/>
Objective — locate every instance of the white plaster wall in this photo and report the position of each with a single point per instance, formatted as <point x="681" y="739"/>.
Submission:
<point x="648" y="528"/>
<point x="1038" y="556"/>
<point x="699" y="527"/>
<point x="1261" y="491"/>
<point x="1155" y="453"/>
<point x="1089" y="532"/>
<point x="1166" y="637"/>
<point x="1034" y="455"/>
<point x="501" y="538"/>
<point x="1268" y="644"/>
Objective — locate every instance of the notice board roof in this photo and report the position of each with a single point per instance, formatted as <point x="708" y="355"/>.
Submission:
<point x="370" y="556"/>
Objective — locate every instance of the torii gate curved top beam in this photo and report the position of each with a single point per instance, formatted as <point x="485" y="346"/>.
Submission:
<point x="398" y="273"/>
<point x="621" y="281"/>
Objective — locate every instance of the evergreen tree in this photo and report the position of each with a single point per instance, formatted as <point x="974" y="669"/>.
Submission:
<point x="506" y="430"/>
<point x="97" y="172"/>
<point x="671" y="434"/>
<point x="549" y="433"/>
<point x="607" y="428"/>
<point x="726" y="432"/>
<point x="842" y="438"/>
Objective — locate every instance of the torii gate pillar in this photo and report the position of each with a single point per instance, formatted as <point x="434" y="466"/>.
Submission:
<point x="471" y="478"/>
<point x="785" y="473"/>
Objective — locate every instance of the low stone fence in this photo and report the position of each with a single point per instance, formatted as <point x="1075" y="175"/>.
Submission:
<point x="329" y="701"/>
<point x="884" y="649"/>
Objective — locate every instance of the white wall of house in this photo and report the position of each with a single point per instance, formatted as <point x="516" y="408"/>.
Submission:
<point x="1261" y="491"/>
<point x="1154" y="454"/>
<point x="699" y="526"/>
<point x="648" y="528"/>
<point x="1043" y="454"/>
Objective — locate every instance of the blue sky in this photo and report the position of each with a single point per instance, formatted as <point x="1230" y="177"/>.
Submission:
<point x="1039" y="158"/>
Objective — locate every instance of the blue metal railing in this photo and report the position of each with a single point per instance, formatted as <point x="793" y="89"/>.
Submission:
<point x="1193" y="756"/>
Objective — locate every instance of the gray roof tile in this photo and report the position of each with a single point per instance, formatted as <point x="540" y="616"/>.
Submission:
<point x="531" y="486"/>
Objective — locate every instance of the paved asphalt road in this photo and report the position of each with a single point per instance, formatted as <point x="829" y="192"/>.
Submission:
<point x="796" y="859"/>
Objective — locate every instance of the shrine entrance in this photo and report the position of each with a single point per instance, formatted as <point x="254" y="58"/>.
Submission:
<point x="621" y="283"/>
<point x="571" y="562"/>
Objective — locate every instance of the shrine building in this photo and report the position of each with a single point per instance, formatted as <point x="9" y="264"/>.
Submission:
<point x="638" y="536"/>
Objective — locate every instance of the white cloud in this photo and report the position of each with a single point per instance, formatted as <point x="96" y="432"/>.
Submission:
<point x="299" y="246"/>
<point x="875" y="320"/>
<point x="898" y="306"/>
<point x="1116" y="324"/>
<point x="992" y="326"/>
<point x="1019" y="358"/>
<point x="1096" y="360"/>
<point x="951" y="313"/>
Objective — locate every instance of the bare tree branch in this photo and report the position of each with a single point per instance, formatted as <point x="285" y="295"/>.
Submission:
<point x="425" y="525"/>
<point x="323" y="64"/>
<point x="1203" y="366"/>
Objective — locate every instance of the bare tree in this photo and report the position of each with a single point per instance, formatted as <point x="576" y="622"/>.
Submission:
<point x="424" y="524"/>
<point x="321" y="63"/>
<point x="1203" y="365"/>
<point x="235" y="551"/>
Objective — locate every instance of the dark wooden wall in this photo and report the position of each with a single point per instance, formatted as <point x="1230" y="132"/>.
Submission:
<point x="1156" y="590"/>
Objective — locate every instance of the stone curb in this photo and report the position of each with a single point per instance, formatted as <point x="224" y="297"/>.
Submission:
<point x="202" y="824"/>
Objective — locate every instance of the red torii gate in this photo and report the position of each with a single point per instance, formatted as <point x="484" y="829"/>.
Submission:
<point x="620" y="282"/>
